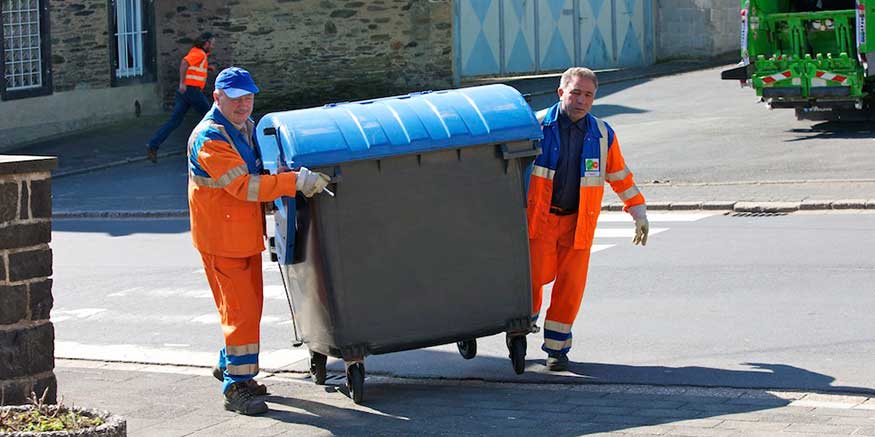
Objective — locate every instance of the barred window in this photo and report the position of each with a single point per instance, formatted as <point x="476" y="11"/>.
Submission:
<point x="25" y="48"/>
<point x="132" y="41"/>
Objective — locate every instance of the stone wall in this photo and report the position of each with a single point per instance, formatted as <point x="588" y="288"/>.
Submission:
<point x="80" y="45"/>
<point x="696" y="28"/>
<point x="309" y="52"/>
<point x="27" y="348"/>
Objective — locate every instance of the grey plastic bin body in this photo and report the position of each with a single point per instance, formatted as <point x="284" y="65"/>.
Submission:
<point x="423" y="243"/>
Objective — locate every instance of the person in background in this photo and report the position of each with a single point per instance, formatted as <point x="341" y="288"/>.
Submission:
<point x="193" y="71"/>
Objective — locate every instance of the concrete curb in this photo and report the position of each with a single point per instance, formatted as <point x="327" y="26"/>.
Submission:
<point x="748" y="206"/>
<point x="157" y="214"/>
<point x="78" y="171"/>
<point x="710" y="205"/>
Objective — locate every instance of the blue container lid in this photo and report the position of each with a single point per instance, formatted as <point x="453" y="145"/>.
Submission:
<point x="392" y="126"/>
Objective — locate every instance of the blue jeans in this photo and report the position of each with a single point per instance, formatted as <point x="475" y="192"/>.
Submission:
<point x="193" y="97"/>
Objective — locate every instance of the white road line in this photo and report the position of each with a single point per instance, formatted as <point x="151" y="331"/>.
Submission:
<point x="274" y="359"/>
<point x="622" y="217"/>
<point x="623" y="232"/>
<point x="599" y="247"/>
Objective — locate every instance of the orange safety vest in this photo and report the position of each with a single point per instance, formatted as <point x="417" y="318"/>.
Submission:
<point x="196" y="74"/>
<point x="600" y="161"/>
<point x="226" y="188"/>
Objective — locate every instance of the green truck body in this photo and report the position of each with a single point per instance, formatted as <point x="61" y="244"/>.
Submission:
<point x="815" y="56"/>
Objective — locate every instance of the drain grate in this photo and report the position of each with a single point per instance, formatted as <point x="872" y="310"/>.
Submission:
<point x="756" y="214"/>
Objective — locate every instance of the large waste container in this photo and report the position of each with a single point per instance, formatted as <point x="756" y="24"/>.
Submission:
<point x="424" y="241"/>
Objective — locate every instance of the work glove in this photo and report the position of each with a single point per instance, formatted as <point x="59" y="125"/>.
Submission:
<point x="642" y="226"/>
<point x="311" y="182"/>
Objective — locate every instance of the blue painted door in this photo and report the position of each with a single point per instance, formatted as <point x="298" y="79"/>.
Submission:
<point x="495" y="37"/>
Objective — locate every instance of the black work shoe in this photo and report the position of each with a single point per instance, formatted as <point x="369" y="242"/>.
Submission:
<point x="239" y="398"/>
<point x="152" y="155"/>
<point x="557" y="362"/>
<point x="256" y="388"/>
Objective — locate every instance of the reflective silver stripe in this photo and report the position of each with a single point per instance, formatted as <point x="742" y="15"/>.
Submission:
<point x="243" y="369"/>
<point x="543" y="172"/>
<point x="195" y="77"/>
<point x="556" y="345"/>
<point x="557" y="327"/>
<point x="254" y="183"/>
<point x="246" y="349"/>
<point x="232" y="174"/>
<point x="224" y="133"/>
<point x="618" y="175"/>
<point x="630" y="193"/>
<point x="198" y="69"/>
<point x="603" y="149"/>
<point x="591" y="181"/>
<point x="223" y="181"/>
<point x="202" y="181"/>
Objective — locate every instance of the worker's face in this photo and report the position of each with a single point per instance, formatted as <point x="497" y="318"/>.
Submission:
<point x="577" y="97"/>
<point x="236" y="110"/>
<point x="208" y="45"/>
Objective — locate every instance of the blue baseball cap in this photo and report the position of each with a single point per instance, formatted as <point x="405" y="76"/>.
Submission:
<point x="235" y="82"/>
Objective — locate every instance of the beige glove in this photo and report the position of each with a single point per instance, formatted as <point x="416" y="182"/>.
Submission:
<point x="311" y="182"/>
<point x="642" y="226"/>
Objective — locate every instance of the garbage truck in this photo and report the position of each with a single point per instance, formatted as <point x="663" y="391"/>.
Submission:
<point x="814" y="56"/>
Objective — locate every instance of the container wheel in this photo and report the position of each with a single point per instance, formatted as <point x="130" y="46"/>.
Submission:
<point x="355" y="381"/>
<point x="317" y="367"/>
<point x="468" y="348"/>
<point x="517" y="346"/>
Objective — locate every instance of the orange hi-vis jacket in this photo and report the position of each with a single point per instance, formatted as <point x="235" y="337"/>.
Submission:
<point x="196" y="74"/>
<point x="226" y="188"/>
<point x="600" y="161"/>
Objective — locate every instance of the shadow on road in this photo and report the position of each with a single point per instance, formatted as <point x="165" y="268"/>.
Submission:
<point x="123" y="227"/>
<point x="835" y="130"/>
<point x="576" y="402"/>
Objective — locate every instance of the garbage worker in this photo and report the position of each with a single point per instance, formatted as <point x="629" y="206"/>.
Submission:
<point x="225" y="190"/>
<point x="579" y="153"/>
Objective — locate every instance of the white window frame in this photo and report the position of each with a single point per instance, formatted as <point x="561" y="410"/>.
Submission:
<point x="130" y="39"/>
<point x="22" y="45"/>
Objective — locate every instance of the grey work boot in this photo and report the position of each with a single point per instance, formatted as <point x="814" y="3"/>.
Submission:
<point x="240" y="399"/>
<point x="256" y="388"/>
<point x="557" y="362"/>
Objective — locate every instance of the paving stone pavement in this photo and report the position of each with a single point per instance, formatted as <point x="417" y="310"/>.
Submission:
<point x="184" y="401"/>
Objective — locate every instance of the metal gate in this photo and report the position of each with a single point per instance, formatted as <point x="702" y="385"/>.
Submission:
<point x="516" y="37"/>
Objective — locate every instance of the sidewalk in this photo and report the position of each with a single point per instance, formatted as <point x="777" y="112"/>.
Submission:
<point x="177" y="401"/>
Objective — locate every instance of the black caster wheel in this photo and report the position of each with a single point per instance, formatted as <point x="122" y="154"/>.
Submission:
<point x="355" y="381"/>
<point x="468" y="348"/>
<point x="517" y="347"/>
<point x="317" y="367"/>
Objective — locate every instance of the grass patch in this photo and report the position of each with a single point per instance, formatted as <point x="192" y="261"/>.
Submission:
<point x="42" y="417"/>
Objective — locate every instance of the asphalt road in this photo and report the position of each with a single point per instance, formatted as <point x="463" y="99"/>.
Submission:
<point x="712" y="300"/>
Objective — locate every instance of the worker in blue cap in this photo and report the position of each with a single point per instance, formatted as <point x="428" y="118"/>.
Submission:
<point x="225" y="193"/>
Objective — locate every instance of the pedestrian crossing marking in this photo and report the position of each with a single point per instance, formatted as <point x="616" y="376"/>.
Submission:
<point x="623" y="232"/>
<point x="655" y="217"/>
<point x="274" y="359"/>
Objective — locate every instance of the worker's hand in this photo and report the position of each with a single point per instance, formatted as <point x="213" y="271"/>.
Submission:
<point x="182" y="88"/>
<point x="311" y="182"/>
<point x="642" y="226"/>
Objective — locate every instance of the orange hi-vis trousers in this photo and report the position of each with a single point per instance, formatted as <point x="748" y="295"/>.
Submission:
<point x="553" y="256"/>
<point x="237" y="287"/>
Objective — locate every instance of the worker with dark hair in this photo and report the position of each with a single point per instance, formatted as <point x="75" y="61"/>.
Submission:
<point x="192" y="80"/>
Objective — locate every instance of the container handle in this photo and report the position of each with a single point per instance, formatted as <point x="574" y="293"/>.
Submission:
<point x="535" y="150"/>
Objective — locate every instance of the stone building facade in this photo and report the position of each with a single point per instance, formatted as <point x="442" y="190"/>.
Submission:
<point x="301" y="53"/>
